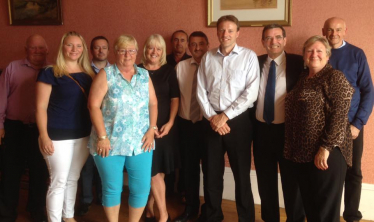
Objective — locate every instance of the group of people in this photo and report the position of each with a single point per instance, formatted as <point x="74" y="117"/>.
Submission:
<point x="304" y="113"/>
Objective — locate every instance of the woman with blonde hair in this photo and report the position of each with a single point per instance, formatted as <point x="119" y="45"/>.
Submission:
<point x="64" y="124"/>
<point x="123" y="109"/>
<point x="167" y="91"/>
<point x="318" y="136"/>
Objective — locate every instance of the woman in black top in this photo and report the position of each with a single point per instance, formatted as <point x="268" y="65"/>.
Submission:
<point x="167" y="91"/>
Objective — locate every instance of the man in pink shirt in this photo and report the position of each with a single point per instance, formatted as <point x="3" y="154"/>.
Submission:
<point x="19" y="135"/>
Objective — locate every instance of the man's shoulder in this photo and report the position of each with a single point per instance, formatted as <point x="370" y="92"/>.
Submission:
<point x="185" y="62"/>
<point x="14" y="66"/>
<point x="262" y="57"/>
<point x="18" y="62"/>
<point x="349" y="47"/>
<point x="294" y="56"/>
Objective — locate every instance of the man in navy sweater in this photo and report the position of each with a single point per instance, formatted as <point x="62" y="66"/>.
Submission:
<point x="352" y="61"/>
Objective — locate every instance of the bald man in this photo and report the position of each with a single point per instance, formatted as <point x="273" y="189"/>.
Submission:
<point x="19" y="135"/>
<point x="352" y="61"/>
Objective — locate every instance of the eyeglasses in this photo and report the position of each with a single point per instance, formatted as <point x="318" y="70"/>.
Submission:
<point x="129" y="51"/>
<point x="278" y="38"/>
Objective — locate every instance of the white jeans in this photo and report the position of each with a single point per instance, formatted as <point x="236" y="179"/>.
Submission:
<point x="64" y="167"/>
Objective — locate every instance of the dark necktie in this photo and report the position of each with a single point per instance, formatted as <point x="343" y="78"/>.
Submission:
<point x="270" y="95"/>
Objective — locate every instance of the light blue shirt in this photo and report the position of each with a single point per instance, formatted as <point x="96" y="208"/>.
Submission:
<point x="125" y="112"/>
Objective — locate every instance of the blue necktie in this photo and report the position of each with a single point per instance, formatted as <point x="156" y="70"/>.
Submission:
<point x="270" y="95"/>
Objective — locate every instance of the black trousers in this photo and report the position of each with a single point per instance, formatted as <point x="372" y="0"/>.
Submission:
<point x="353" y="182"/>
<point x="321" y="190"/>
<point x="237" y="144"/>
<point x="191" y="145"/>
<point x="21" y="149"/>
<point x="89" y="177"/>
<point x="268" y="146"/>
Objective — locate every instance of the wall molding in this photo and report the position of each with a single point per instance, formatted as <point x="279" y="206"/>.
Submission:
<point x="366" y="205"/>
<point x="367" y="194"/>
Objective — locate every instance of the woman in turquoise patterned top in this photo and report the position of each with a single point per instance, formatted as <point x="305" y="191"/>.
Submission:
<point x="123" y="109"/>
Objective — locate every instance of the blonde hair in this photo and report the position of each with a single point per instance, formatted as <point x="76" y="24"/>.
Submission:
<point x="315" y="39"/>
<point x="155" y="40"/>
<point x="60" y="68"/>
<point x="124" y="41"/>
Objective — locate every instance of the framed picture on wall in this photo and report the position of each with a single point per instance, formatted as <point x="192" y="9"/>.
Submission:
<point x="251" y="12"/>
<point x="35" y="12"/>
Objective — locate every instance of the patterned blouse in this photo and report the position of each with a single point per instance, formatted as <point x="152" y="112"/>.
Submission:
<point x="317" y="116"/>
<point x="125" y="112"/>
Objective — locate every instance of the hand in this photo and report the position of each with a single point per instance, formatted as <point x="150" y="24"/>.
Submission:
<point x="46" y="146"/>
<point x="320" y="160"/>
<point x="217" y="121"/>
<point x="354" y="132"/>
<point x="165" y="129"/>
<point x="2" y="134"/>
<point x="148" y="140"/>
<point x="103" y="147"/>
<point x="225" y="129"/>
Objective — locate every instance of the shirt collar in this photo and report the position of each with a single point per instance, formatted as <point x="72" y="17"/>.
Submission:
<point x="119" y="73"/>
<point x="193" y="61"/>
<point x="27" y="63"/>
<point x="344" y="43"/>
<point x="234" y="50"/>
<point x="279" y="60"/>
<point x="93" y="64"/>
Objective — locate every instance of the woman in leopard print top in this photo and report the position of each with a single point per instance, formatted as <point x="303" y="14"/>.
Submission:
<point x="318" y="137"/>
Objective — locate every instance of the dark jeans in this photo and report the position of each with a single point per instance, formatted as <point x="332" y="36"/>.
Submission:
<point x="89" y="177"/>
<point x="191" y="145"/>
<point x="321" y="190"/>
<point x="237" y="144"/>
<point x="353" y="181"/>
<point x="21" y="149"/>
<point x="268" y="146"/>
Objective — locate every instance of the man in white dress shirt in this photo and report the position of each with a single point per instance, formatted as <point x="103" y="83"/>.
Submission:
<point x="190" y="124"/>
<point x="268" y="140"/>
<point x="227" y="86"/>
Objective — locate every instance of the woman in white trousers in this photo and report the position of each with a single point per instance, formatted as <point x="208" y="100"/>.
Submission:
<point x="64" y="123"/>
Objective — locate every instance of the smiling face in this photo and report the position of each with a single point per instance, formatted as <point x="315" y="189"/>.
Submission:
<point x="274" y="42"/>
<point x="334" y="30"/>
<point x="227" y="33"/>
<point x="100" y="50"/>
<point x="73" y="48"/>
<point x="36" y="50"/>
<point x="198" y="47"/>
<point x="315" y="57"/>
<point x="179" y="43"/>
<point x="153" y="54"/>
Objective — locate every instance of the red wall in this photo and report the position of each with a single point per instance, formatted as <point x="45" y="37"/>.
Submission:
<point x="144" y="17"/>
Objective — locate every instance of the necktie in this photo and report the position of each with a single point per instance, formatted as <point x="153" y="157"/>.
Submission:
<point x="194" y="106"/>
<point x="270" y="95"/>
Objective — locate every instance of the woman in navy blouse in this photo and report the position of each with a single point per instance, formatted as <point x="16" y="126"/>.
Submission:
<point x="64" y="123"/>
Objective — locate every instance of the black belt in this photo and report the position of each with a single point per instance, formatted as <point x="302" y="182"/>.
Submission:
<point x="18" y="122"/>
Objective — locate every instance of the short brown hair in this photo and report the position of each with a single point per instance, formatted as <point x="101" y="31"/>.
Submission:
<point x="273" y="26"/>
<point x="229" y="18"/>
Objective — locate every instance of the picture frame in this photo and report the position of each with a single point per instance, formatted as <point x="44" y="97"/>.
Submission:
<point x="36" y="12"/>
<point x="251" y="13"/>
